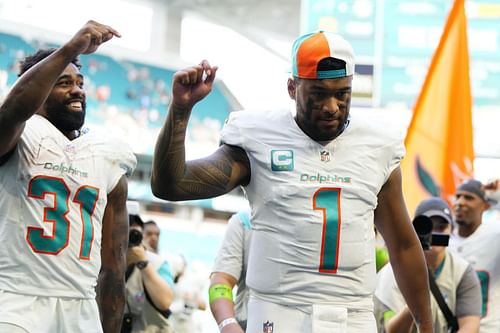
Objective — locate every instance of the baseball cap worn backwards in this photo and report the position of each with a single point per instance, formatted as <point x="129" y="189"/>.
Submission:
<point x="322" y="55"/>
<point x="434" y="207"/>
<point x="476" y="187"/>
<point x="473" y="186"/>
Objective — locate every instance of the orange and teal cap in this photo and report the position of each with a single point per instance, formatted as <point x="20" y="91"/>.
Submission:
<point x="311" y="55"/>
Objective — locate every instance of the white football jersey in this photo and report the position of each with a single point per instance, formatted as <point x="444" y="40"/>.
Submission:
<point x="53" y="196"/>
<point x="313" y="207"/>
<point x="482" y="251"/>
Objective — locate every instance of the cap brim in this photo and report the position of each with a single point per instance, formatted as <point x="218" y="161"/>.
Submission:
<point x="431" y="213"/>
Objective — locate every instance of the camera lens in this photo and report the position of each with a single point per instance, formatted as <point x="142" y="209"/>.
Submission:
<point x="423" y="227"/>
<point x="134" y="237"/>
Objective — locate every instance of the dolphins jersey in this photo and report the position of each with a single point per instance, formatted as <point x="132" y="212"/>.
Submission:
<point x="53" y="196"/>
<point x="313" y="207"/>
<point x="482" y="251"/>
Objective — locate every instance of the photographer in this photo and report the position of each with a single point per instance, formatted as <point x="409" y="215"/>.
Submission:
<point x="454" y="277"/>
<point x="149" y="286"/>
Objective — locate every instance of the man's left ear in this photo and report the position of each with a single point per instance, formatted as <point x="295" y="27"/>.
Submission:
<point x="292" y="88"/>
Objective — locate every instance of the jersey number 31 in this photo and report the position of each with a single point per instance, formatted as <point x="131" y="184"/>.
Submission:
<point x="86" y="198"/>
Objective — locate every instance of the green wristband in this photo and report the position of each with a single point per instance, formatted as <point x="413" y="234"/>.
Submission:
<point x="218" y="291"/>
<point x="388" y="315"/>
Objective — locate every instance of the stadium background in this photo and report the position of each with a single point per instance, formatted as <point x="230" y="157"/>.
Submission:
<point x="128" y="80"/>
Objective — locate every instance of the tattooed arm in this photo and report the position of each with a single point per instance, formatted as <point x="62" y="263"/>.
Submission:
<point x="175" y="179"/>
<point x="111" y="283"/>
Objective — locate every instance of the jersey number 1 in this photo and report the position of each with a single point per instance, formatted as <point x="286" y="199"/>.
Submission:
<point x="327" y="200"/>
<point x="86" y="197"/>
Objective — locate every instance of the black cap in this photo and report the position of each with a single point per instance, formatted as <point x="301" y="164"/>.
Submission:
<point x="434" y="207"/>
<point x="134" y="219"/>
<point x="473" y="186"/>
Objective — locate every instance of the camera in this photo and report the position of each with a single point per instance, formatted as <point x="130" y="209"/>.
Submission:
<point x="126" y="323"/>
<point x="423" y="227"/>
<point x="134" y="237"/>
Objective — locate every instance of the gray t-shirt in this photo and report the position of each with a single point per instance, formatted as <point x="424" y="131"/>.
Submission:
<point x="468" y="294"/>
<point x="232" y="259"/>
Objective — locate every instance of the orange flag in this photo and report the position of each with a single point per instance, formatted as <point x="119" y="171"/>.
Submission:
<point x="439" y="139"/>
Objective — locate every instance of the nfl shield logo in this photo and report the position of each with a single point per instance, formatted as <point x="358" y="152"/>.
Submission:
<point x="325" y="156"/>
<point x="267" y="327"/>
<point x="71" y="149"/>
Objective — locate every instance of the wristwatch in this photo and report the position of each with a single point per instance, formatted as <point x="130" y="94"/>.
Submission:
<point x="141" y="264"/>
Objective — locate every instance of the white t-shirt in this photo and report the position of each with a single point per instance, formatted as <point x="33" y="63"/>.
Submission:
<point x="482" y="251"/>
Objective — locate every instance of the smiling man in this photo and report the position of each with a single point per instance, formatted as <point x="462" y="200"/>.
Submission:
<point x="311" y="262"/>
<point x="63" y="219"/>
<point x="477" y="242"/>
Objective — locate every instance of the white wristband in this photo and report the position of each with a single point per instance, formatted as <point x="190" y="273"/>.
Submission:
<point x="226" y="322"/>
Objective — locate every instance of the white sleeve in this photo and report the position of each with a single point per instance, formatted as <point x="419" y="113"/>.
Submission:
<point x="395" y="152"/>
<point x="229" y="259"/>
<point x="399" y="153"/>
<point x="231" y="133"/>
<point x="121" y="161"/>
<point x="29" y="144"/>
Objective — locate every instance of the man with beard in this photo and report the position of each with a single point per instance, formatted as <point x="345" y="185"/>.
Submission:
<point x="63" y="217"/>
<point x="478" y="243"/>
<point x="316" y="182"/>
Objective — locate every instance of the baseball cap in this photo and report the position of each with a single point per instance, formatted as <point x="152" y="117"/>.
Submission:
<point x="434" y="207"/>
<point x="476" y="187"/>
<point x="473" y="186"/>
<point x="322" y="55"/>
